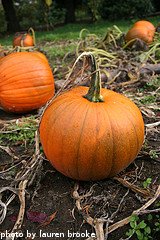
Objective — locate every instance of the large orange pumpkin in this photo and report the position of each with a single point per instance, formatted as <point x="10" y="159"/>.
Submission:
<point x="26" y="82"/>
<point x="139" y="32"/>
<point x="91" y="133"/>
<point x="41" y="55"/>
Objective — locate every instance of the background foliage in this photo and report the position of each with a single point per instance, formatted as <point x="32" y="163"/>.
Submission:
<point x="125" y="9"/>
<point x="44" y="17"/>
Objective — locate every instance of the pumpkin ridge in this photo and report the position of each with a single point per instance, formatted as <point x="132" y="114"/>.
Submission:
<point x="10" y="65"/>
<point x="94" y="154"/>
<point x="53" y="124"/>
<point x="112" y="135"/>
<point x="80" y="138"/>
<point x="28" y="65"/>
<point x="21" y="74"/>
<point x="135" y="132"/>
<point x="114" y="139"/>
<point x="28" y="88"/>
<point x="64" y="107"/>
<point x="129" y="143"/>
<point x="27" y="105"/>
<point x="75" y="111"/>
<point x="131" y="113"/>
<point x="94" y="166"/>
<point x="19" y="61"/>
<point x="95" y="151"/>
<point x="31" y="101"/>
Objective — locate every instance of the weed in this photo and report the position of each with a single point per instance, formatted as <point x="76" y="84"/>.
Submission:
<point x="23" y="132"/>
<point x="153" y="85"/>
<point x="139" y="228"/>
<point x="147" y="182"/>
<point x="153" y="154"/>
<point x="148" y="99"/>
<point x="144" y="229"/>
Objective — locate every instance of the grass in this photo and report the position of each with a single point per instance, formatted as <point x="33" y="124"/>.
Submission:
<point x="23" y="131"/>
<point x="61" y="36"/>
<point x="59" y="50"/>
<point x="71" y="31"/>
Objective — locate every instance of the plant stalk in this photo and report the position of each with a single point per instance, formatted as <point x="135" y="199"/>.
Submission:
<point x="94" y="92"/>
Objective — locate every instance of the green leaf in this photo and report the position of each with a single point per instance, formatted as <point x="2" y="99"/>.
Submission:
<point x="157" y="224"/>
<point x="142" y="224"/>
<point x="145" y="238"/>
<point x="130" y="232"/>
<point x="139" y="234"/>
<point x="134" y="218"/>
<point x="133" y="224"/>
<point x="147" y="230"/>
<point x="147" y="182"/>
<point x="157" y="229"/>
<point x="150" y="217"/>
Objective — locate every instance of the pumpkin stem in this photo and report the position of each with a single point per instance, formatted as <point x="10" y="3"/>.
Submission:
<point x="94" y="92"/>
<point x="22" y="40"/>
<point x="33" y="35"/>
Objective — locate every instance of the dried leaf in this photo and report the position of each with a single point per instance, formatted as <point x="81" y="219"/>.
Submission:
<point x="34" y="216"/>
<point x="13" y="218"/>
<point x="49" y="219"/>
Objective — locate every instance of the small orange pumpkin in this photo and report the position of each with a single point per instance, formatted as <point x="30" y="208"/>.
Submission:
<point x="91" y="133"/>
<point x="139" y="32"/>
<point x="24" y="39"/>
<point x="26" y="82"/>
<point x="144" y="23"/>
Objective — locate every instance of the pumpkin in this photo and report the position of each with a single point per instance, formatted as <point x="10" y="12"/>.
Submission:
<point x="91" y="133"/>
<point x="24" y="39"/>
<point x="142" y="33"/>
<point x="144" y="23"/>
<point x="26" y="82"/>
<point x="41" y="55"/>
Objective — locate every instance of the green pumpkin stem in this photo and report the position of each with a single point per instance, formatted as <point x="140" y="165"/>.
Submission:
<point x="94" y="92"/>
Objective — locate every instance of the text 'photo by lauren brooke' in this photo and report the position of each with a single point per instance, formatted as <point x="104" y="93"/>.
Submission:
<point x="42" y="234"/>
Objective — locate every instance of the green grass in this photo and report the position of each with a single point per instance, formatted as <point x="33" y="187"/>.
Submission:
<point x="71" y="31"/>
<point x="55" y="50"/>
<point x="23" y="132"/>
<point x="61" y="36"/>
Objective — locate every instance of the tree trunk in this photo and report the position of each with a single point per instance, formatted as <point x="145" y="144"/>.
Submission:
<point x="70" y="11"/>
<point x="10" y="15"/>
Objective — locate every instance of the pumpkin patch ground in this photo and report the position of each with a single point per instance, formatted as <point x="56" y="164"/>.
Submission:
<point x="38" y="202"/>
